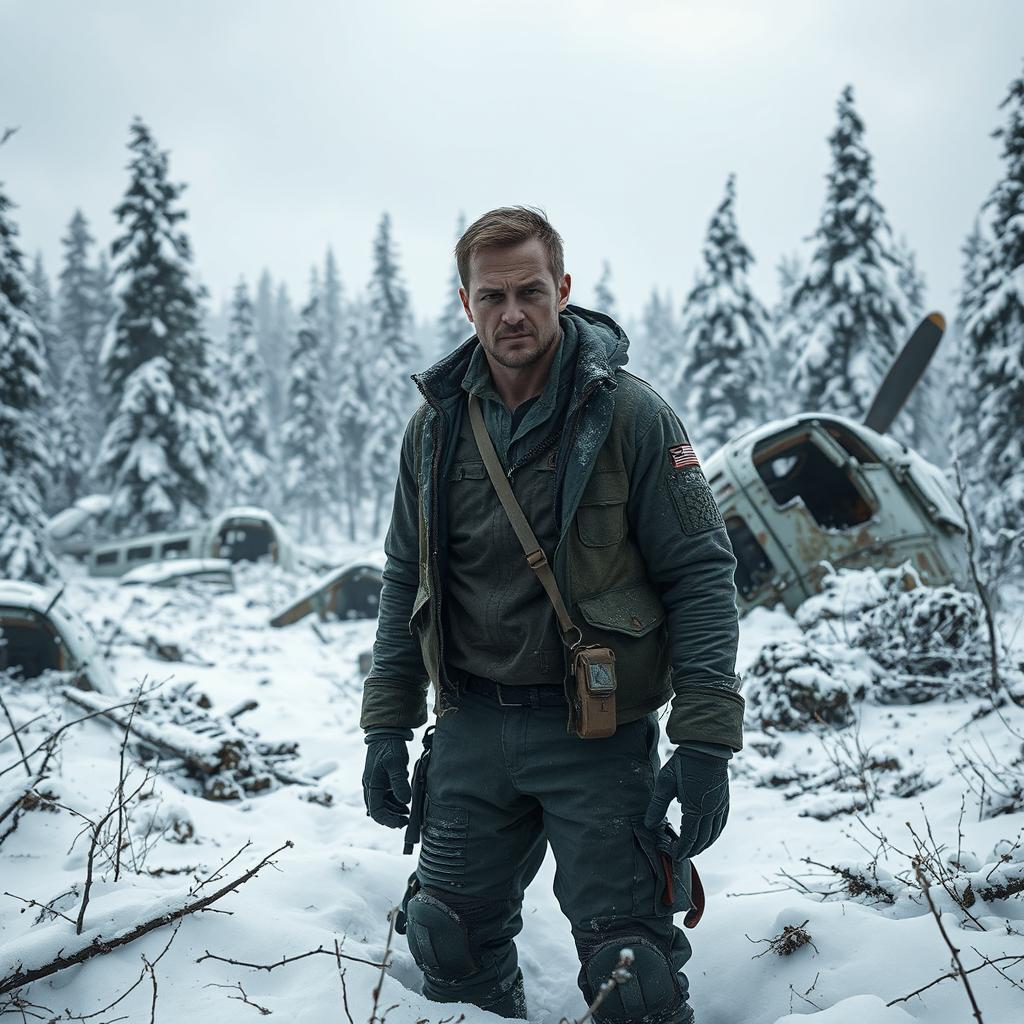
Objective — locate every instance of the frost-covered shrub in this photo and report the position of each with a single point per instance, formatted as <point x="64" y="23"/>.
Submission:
<point x="932" y="641"/>
<point x="792" y="685"/>
<point x="927" y="642"/>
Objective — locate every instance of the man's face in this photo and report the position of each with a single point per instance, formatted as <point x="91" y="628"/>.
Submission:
<point x="514" y="302"/>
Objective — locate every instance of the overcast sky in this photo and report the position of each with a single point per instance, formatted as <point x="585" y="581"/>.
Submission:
<point x="296" y="124"/>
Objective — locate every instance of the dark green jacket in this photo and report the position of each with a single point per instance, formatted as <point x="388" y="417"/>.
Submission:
<point x="643" y="560"/>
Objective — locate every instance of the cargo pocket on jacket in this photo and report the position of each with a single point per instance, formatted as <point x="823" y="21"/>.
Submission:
<point x="443" y="846"/>
<point x="601" y="516"/>
<point x="634" y="610"/>
<point x="661" y="885"/>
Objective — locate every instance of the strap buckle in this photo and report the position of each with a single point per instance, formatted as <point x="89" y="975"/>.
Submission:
<point x="536" y="558"/>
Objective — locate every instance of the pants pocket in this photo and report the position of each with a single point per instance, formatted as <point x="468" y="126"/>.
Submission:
<point x="661" y="884"/>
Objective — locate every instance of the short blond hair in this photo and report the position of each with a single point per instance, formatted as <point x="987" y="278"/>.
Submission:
<point x="506" y="226"/>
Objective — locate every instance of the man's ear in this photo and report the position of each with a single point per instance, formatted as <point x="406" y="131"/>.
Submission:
<point x="465" y="304"/>
<point x="563" y="292"/>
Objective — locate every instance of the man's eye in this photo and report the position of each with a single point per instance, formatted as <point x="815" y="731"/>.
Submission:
<point x="532" y="291"/>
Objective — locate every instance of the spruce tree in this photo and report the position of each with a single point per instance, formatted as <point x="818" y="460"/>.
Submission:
<point x="79" y="314"/>
<point x="789" y="329"/>
<point x="245" y="403"/>
<point x="164" y="445"/>
<point x="721" y="383"/>
<point x="352" y="413"/>
<point x="849" y="298"/>
<point x="661" y="347"/>
<point x="453" y="328"/>
<point x="273" y="359"/>
<point x="604" y="299"/>
<point x="392" y="397"/>
<point x="333" y="327"/>
<point x="305" y="450"/>
<point x="24" y="447"/>
<point x="43" y="312"/>
<point x="993" y="449"/>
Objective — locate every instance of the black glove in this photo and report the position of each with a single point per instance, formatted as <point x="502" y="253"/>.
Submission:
<point x="700" y="782"/>
<point x="386" y="790"/>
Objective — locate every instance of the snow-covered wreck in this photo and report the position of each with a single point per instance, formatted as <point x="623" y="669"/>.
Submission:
<point x="241" y="534"/>
<point x="815" y="489"/>
<point x="39" y="633"/>
<point x="351" y="591"/>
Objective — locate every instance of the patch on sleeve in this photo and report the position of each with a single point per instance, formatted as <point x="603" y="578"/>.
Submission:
<point x="694" y="501"/>
<point x="682" y="456"/>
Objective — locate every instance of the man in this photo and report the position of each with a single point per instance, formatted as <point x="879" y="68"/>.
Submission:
<point x="604" y="473"/>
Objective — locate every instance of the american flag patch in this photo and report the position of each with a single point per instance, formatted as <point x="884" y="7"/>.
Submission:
<point x="682" y="456"/>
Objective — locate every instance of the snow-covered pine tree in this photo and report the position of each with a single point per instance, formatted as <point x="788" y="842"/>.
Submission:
<point x="993" y="451"/>
<point x="245" y="403"/>
<point x="24" y="448"/>
<point x="721" y="384"/>
<point x="392" y="396"/>
<point x="923" y="423"/>
<point x="850" y="297"/>
<point x="164" y="444"/>
<point x="273" y="359"/>
<point x="452" y="326"/>
<point x="352" y="413"/>
<point x="660" y="350"/>
<point x="333" y="309"/>
<point x="305" y="448"/>
<point x="43" y="312"/>
<point x="80" y="420"/>
<point x="604" y="299"/>
<point x="787" y="334"/>
<point x="106" y="306"/>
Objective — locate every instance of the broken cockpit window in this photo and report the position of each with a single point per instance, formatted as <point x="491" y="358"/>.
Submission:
<point x="28" y="644"/>
<point x="753" y="569"/>
<point x="796" y="467"/>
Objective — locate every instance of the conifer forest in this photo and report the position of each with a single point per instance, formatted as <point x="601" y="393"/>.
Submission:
<point x="197" y="479"/>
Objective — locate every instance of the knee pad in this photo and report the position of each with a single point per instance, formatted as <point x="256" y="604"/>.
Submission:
<point x="438" y="939"/>
<point x="652" y="994"/>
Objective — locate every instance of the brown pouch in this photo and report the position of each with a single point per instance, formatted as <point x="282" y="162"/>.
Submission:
<point x="594" y="670"/>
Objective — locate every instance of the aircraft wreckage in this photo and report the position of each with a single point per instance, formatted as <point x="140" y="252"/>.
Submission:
<point x="816" y="490"/>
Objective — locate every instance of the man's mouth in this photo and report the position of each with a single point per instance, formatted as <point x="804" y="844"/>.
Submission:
<point x="512" y="337"/>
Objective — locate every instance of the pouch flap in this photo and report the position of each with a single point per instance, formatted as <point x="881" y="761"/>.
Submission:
<point x="610" y="487"/>
<point x="633" y="610"/>
<point x="468" y="471"/>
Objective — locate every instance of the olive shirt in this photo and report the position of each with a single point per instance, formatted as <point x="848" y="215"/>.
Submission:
<point x="499" y="622"/>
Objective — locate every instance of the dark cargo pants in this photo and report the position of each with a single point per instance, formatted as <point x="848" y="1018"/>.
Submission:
<point x="502" y="783"/>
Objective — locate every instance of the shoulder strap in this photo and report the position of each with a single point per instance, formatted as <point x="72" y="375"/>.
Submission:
<point x="535" y="556"/>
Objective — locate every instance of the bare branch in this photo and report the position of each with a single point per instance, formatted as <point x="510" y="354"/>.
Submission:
<point x="99" y="945"/>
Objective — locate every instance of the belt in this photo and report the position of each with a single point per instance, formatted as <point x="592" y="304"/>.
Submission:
<point x="546" y="695"/>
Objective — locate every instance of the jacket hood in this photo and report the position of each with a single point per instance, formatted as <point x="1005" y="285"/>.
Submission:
<point x="602" y="350"/>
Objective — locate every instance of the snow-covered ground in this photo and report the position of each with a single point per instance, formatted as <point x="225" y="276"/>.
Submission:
<point x="344" y="872"/>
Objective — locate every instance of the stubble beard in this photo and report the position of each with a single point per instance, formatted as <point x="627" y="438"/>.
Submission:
<point x="516" y="360"/>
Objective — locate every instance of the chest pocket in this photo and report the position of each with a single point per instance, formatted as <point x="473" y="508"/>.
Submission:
<point x="468" y="471"/>
<point x="601" y="517"/>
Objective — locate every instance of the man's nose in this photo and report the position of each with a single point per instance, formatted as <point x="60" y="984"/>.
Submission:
<point x="512" y="314"/>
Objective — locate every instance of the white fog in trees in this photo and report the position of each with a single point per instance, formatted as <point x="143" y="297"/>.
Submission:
<point x="604" y="298"/>
<point x="305" y="435"/>
<point x="788" y="328"/>
<point x="392" y="396"/>
<point x="991" y="441"/>
<point x="849" y="301"/>
<point x="720" y="383"/>
<point x="352" y="414"/>
<point x="24" y="450"/>
<point x="453" y="327"/>
<point x="164" y="444"/>
<point x="660" y="348"/>
<point x="245" y="404"/>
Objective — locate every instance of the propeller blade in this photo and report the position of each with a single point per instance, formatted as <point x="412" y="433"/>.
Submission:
<point x="905" y="372"/>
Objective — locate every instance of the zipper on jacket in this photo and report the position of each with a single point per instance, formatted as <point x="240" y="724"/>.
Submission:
<point x="435" y="576"/>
